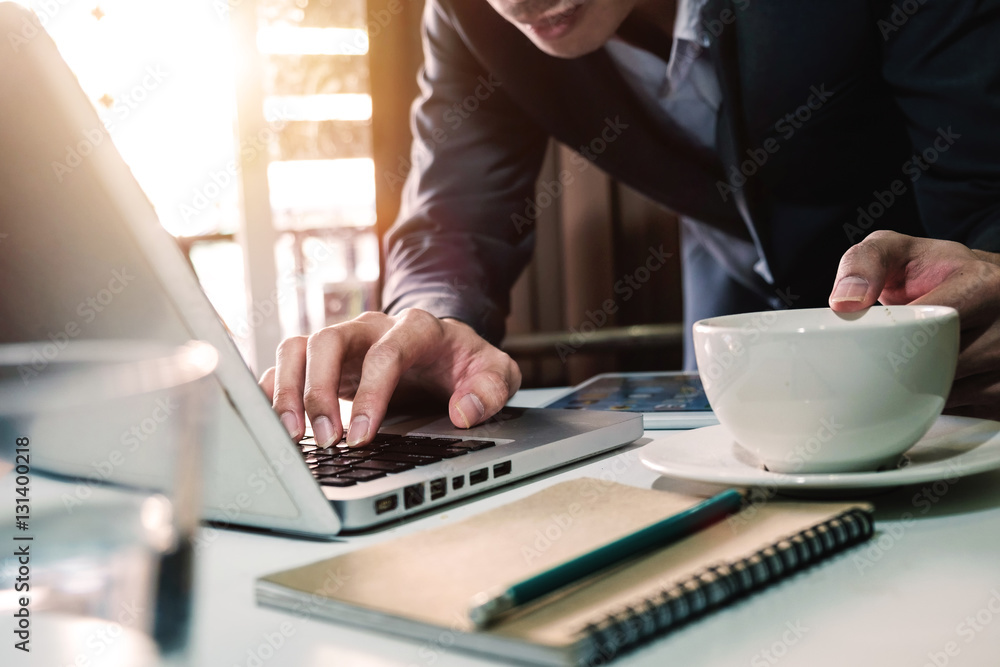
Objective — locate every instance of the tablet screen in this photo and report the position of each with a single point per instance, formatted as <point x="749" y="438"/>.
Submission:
<point x="641" y="392"/>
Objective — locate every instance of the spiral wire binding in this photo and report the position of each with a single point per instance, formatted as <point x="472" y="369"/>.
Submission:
<point x="718" y="584"/>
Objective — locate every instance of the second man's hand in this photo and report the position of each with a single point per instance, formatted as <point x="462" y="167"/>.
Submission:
<point x="897" y="269"/>
<point x="371" y="357"/>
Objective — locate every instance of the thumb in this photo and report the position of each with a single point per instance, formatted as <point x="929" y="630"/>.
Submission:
<point x="481" y="396"/>
<point x="864" y="269"/>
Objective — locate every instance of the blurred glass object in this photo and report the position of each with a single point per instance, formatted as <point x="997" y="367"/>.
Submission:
<point x="100" y="483"/>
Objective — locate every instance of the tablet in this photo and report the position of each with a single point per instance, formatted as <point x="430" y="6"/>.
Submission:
<point x="667" y="400"/>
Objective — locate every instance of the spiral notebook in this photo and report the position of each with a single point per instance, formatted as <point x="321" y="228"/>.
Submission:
<point x="420" y="585"/>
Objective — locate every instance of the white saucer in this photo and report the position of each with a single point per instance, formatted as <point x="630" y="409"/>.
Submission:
<point x="954" y="447"/>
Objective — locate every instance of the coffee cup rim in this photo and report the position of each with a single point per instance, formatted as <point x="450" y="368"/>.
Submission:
<point x="858" y="321"/>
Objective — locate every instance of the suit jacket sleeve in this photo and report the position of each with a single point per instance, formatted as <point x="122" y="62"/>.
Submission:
<point x="458" y="246"/>
<point x="943" y="61"/>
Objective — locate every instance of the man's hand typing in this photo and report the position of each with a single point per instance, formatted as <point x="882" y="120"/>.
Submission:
<point x="375" y="356"/>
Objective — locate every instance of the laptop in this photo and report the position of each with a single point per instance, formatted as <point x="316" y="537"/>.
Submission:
<point x="89" y="260"/>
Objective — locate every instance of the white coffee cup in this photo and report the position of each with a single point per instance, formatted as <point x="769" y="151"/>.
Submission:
<point x="814" y="391"/>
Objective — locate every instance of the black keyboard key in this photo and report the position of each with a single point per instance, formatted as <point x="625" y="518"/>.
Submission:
<point x="305" y="449"/>
<point x="355" y="453"/>
<point x="323" y="471"/>
<point x="371" y="447"/>
<point x="337" y="481"/>
<point x="343" y="461"/>
<point x="406" y="446"/>
<point x="384" y="438"/>
<point x="427" y="450"/>
<point x="387" y="466"/>
<point x="319" y="457"/>
<point x="361" y="475"/>
<point x="474" y="445"/>
<point x="416" y="437"/>
<point x="415" y="459"/>
<point x="444" y="441"/>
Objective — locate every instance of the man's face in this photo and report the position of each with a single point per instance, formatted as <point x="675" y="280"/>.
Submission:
<point x="566" y="28"/>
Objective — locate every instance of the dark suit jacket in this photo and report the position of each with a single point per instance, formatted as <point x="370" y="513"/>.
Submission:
<point x="826" y="103"/>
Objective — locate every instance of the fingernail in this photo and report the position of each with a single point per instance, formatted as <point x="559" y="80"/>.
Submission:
<point x="849" y="288"/>
<point x="290" y="423"/>
<point x="358" y="431"/>
<point x="323" y="430"/>
<point x="470" y="409"/>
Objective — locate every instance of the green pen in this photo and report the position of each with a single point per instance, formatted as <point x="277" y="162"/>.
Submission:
<point x="487" y="606"/>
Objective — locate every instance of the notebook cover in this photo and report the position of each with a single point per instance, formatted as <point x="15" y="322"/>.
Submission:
<point x="419" y="584"/>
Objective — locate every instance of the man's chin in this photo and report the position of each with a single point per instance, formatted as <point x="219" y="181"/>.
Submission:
<point x="566" y="49"/>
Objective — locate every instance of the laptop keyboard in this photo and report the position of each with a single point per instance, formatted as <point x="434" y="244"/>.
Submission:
<point x="385" y="455"/>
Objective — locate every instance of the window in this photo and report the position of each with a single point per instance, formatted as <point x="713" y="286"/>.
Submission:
<point x="322" y="178"/>
<point x="168" y="80"/>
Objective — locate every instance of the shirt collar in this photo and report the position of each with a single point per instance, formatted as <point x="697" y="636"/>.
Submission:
<point x="687" y="25"/>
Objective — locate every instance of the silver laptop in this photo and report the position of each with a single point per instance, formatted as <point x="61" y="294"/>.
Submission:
<point x="74" y="220"/>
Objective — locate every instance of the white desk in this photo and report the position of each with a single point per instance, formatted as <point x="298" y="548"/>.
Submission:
<point x="907" y="595"/>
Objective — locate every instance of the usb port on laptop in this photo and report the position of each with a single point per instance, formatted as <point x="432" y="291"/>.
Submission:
<point x="501" y="469"/>
<point x="386" y="504"/>
<point x="413" y="495"/>
<point x="477" y="476"/>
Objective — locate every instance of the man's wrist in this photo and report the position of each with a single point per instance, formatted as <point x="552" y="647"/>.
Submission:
<point x="461" y="324"/>
<point x="991" y="257"/>
<point x="483" y="319"/>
